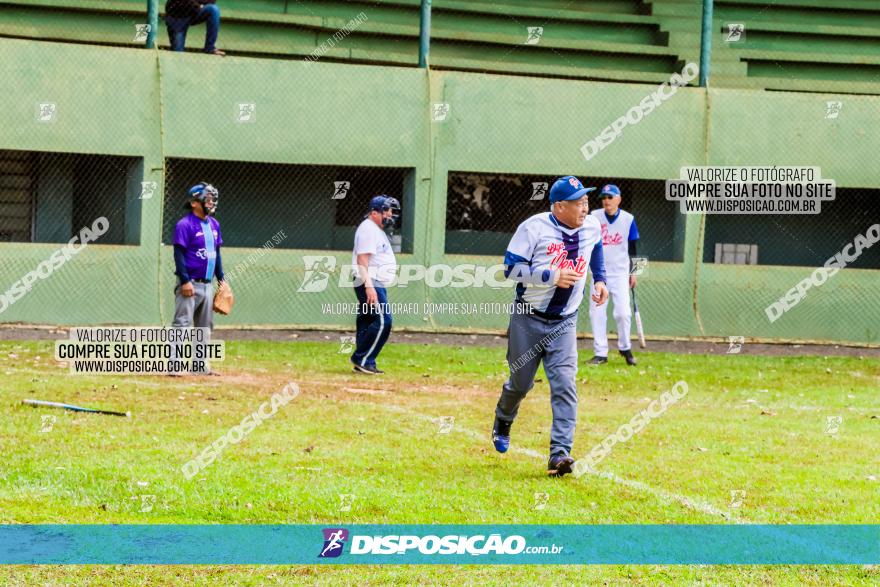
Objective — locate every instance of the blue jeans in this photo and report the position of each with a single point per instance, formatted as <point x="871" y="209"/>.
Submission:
<point x="373" y="327"/>
<point x="177" y="27"/>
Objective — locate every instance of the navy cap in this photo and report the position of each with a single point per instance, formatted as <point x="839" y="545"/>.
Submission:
<point x="610" y="190"/>
<point x="568" y="188"/>
<point x="379" y="203"/>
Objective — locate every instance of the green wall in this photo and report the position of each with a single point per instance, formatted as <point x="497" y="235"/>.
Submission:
<point x="158" y="105"/>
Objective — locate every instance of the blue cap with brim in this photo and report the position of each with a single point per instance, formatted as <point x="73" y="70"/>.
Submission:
<point x="568" y="188"/>
<point x="379" y="203"/>
<point x="611" y="190"/>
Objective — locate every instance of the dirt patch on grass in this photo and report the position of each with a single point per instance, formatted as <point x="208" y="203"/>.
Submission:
<point x="684" y="347"/>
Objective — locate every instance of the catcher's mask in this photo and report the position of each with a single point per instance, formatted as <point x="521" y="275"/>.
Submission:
<point x="201" y="192"/>
<point x="383" y="203"/>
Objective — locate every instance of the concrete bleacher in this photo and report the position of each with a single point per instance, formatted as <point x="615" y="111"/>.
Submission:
<point x="798" y="45"/>
<point x="617" y="40"/>
<point x="605" y="39"/>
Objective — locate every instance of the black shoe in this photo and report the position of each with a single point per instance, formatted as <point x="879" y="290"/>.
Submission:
<point x="365" y="369"/>
<point x="559" y="465"/>
<point x="597" y="360"/>
<point x="630" y="359"/>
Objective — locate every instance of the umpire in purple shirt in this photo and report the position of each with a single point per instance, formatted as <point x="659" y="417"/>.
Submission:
<point x="197" y="242"/>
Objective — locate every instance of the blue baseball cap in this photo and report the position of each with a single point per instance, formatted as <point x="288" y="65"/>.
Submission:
<point x="610" y="190"/>
<point x="568" y="188"/>
<point x="379" y="203"/>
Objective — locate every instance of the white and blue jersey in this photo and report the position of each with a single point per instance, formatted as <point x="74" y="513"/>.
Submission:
<point x="540" y="247"/>
<point x="617" y="232"/>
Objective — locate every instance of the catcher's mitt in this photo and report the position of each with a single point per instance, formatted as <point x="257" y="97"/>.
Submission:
<point x="223" y="299"/>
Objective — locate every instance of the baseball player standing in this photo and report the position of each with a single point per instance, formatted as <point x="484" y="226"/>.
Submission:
<point x="548" y="257"/>
<point x="619" y="237"/>
<point x="374" y="264"/>
<point x="197" y="242"/>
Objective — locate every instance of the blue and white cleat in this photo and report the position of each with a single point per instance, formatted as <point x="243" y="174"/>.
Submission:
<point x="501" y="435"/>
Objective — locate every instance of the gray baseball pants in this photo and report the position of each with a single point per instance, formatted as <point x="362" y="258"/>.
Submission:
<point x="532" y="339"/>
<point x="194" y="311"/>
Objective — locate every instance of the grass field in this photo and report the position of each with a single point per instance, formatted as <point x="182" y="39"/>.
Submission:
<point x="748" y="424"/>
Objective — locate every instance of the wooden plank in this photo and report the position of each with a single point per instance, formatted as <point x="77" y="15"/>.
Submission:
<point x="15" y="224"/>
<point x="15" y="181"/>
<point x="15" y="155"/>
<point x="15" y="167"/>
<point x="16" y="211"/>
<point x="15" y="196"/>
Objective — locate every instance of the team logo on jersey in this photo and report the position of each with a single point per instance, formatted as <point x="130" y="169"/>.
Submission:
<point x="610" y="239"/>
<point x="334" y="541"/>
<point x="560" y="258"/>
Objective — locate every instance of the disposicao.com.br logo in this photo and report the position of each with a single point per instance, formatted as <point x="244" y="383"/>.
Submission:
<point x="392" y="544"/>
<point x="320" y="269"/>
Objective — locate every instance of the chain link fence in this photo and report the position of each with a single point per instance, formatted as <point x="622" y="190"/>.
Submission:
<point x="484" y="210"/>
<point x="804" y="240"/>
<point x="317" y="206"/>
<point x="50" y="197"/>
<point x="512" y="90"/>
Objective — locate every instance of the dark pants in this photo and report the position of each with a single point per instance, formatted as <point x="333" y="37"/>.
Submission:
<point x="373" y="327"/>
<point x="177" y="27"/>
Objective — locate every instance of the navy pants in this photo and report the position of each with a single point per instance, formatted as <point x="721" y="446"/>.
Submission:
<point x="373" y="327"/>
<point x="177" y="27"/>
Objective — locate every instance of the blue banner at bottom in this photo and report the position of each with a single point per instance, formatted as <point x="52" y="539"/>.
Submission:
<point x="440" y="544"/>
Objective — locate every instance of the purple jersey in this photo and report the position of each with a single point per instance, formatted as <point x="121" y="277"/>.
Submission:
<point x="201" y="244"/>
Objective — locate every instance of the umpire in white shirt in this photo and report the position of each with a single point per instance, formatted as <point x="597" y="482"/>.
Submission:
<point x="374" y="266"/>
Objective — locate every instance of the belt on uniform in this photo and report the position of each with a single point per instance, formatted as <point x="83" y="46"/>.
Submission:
<point x="533" y="312"/>
<point x="203" y="280"/>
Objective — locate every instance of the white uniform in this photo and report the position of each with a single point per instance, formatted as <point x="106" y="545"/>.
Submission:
<point x="544" y="245"/>
<point x="616" y="234"/>
<point x="369" y="238"/>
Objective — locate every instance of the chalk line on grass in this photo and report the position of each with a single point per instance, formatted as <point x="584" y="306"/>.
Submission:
<point x="694" y="504"/>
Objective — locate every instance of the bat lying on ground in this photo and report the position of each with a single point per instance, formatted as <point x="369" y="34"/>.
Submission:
<point x="40" y="403"/>
<point x="639" y="328"/>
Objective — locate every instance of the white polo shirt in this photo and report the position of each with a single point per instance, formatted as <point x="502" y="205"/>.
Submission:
<point x="369" y="238"/>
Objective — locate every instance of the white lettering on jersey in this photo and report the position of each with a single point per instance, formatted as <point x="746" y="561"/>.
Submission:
<point x="542" y="243"/>
<point x="615" y="241"/>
